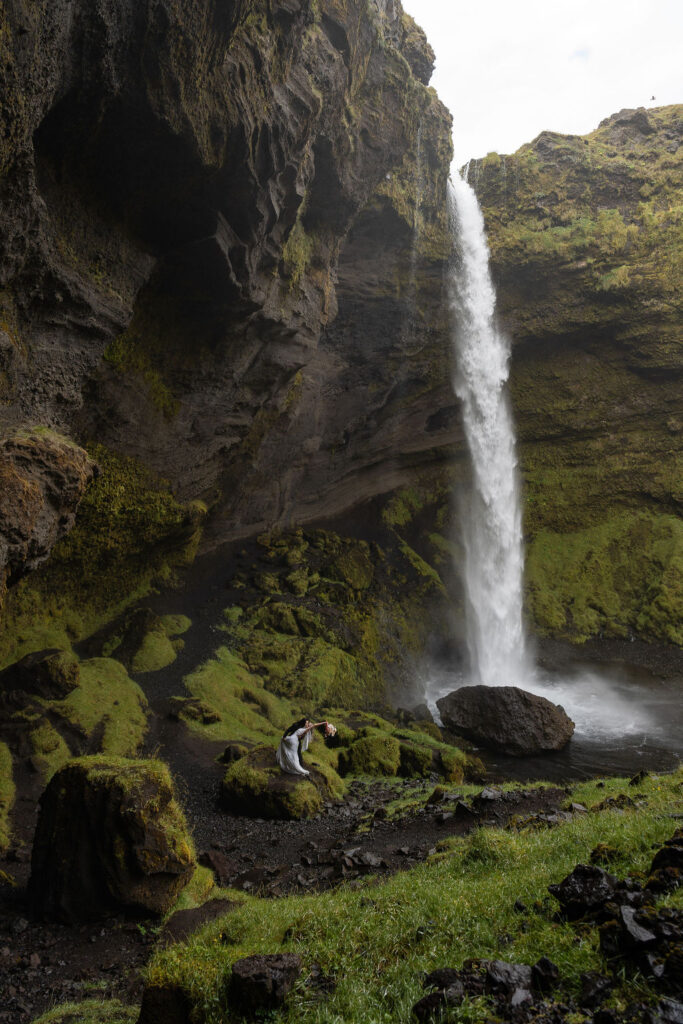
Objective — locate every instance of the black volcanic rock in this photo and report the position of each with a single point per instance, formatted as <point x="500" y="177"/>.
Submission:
<point x="506" y="718"/>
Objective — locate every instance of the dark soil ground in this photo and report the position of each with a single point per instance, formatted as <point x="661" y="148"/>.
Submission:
<point x="42" y="964"/>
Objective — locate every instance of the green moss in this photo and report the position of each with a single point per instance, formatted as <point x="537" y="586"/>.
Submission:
<point x="245" y="710"/>
<point x="130" y="531"/>
<point x="90" y="1011"/>
<point x="374" y="753"/>
<point x="196" y="893"/>
<point x="355" y="567"/>
<point x="415" y="761"/>
<point x="402" y="507"/>
<point x="297" y="253"/>
<point x="256" y="786"/>
<point x="618" y="578"/>
<point x="7" y="794"/>
<point x="108" y="700"/>
<point x="49" y="748"/>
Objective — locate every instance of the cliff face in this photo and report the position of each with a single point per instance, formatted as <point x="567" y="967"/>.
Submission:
<point x="177" y="184"/>
<point x="585" y="236"/>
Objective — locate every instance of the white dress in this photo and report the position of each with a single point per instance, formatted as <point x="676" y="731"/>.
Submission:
<point x="288" y="752"/>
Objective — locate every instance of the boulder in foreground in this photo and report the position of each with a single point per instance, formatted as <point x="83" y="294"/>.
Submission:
<point x="507" y="719"/>
<point x="110" y="837"/>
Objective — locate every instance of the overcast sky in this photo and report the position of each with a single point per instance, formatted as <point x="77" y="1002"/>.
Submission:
<point x="508" y="69"/>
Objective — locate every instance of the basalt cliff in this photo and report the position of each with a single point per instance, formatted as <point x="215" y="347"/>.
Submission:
<point x="223" y="317"/>
<point x="585" y="235"/>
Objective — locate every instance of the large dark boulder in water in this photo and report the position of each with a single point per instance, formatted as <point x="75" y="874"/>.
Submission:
<point x="506" y="718"/>
<point x="110" y="837"/>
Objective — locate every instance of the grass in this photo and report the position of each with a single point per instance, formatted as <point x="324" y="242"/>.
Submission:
<point x="379" y="938"/>
<point x="91" y="1011"/>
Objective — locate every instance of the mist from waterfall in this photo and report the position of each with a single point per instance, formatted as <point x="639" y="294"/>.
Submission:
<point x="491" y="513"/>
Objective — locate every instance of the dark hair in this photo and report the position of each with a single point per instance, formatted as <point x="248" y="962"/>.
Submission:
<point x="295" y="727"/>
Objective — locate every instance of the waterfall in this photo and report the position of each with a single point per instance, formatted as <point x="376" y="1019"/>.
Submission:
<point x="491" y="513"/>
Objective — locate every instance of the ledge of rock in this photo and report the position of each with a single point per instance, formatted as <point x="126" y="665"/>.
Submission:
<point x="110" y="836"/>
<point x="507" y="719"/>
<point x="257" y="787"/>
<point x="42" y="479"/>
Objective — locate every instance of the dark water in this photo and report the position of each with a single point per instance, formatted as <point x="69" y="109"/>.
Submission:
<point x="626" y="719"/>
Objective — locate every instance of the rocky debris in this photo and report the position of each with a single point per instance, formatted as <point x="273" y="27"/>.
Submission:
<point x="506" y="718"/>
<point x="110" y="835"/>
<point x="42" y="479"/>
<point x="632" y="932"/>
<point x="262" y="982"/>
<point x="584" y="891"/>
<point x="594" y="988"/>
<point x="513" y="988"/>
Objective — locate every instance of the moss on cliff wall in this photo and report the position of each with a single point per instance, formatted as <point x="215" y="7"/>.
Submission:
<point x="129" y="531"/>
<point x="586" y="243"/>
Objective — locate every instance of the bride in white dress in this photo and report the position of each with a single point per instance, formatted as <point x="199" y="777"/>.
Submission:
<point x="295" y="741"/>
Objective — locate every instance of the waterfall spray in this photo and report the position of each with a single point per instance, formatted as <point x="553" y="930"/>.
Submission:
<point x="491" y="514"/>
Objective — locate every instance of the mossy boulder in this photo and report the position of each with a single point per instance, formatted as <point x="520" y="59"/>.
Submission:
<point x="110" y="837"/>
<point x="374" y="753"/>
<point x="257" y="787"/>
<point x="51" y="675"/>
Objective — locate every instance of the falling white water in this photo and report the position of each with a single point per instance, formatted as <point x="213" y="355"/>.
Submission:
<point x="491" y="514"/>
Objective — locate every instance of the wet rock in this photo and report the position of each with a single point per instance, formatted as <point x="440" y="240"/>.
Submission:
<point x="669" y="1012"/>
<point x="506" y="718"/>
<point x="594" y="988"/>
<point x="545" y="975"/>
<point x="262" y="982"/>
<point x="489" y="793"/>
<point x="509" y="980"/>
<point x="583" y="891"/>
<point x="639" y="778"/>
<point x="133" y="849"/>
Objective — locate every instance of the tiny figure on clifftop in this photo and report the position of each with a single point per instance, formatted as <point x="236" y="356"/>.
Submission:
<point x="295" y="740"/>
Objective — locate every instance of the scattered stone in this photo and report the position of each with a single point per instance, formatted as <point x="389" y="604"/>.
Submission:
<point x="578" y="808"/>
<point x="594" y="988"/>
<point x="262" y="982"/>
<point x="489" y="793"/>
<point x="519" y="907"/>
<point x="506" y="718"/>
<point x="639" y="778"/>
<point x="583" y="891"/>
<point x="545" y="975"/>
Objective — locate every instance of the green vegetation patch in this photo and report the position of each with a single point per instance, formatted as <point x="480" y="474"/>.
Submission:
<point x="380" y="938"/>
<point x="7" y="794"/>
<point x="90" y="1011"/>
<point x="130" y="532"/>
<point x="161" y="644"/>
<point x="621" y="577"/>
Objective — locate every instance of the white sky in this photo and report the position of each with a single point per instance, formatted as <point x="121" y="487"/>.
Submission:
<point x="509" y="69"/>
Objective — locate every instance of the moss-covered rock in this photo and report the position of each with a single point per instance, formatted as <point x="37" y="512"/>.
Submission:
<point x="7" y="793"/>
<point x="257" y="787"/>
<point x="374" y="753"/>
<point x="134" y="850"/>
<point x="585" y="236"/>
<point x="130" y="531"/>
